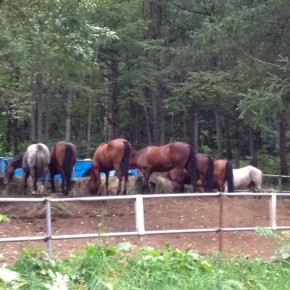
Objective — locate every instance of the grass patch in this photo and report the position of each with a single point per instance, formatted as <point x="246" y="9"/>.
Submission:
<point x="122" y="267"/>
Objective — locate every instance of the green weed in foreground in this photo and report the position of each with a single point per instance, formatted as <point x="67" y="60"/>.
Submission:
<point x="125" y="268"/>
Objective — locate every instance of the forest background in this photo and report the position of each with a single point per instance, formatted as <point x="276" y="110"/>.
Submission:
<point x="213" y="73"/>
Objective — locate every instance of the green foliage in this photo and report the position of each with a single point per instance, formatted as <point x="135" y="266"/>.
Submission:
<point x="4" y="218"/>
<point x="122" y="267"/>
<point x="283" y="251"/>
<point x="225" y="59"/>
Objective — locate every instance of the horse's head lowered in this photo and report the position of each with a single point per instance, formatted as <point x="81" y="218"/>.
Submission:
<point x="8" y="172"/>
<point x="10" y="167"/>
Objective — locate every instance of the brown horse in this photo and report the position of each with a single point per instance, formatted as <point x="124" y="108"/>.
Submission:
<point x="204" y="172"/>
<point x="163" y="158"/>
<point x="63" y="158"/>
<point x="223" y="172"/>
<point x="108" y="156"/>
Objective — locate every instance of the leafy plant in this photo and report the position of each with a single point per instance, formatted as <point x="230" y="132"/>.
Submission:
<point x="283" y="238"/>
<point x="4" y="218"/>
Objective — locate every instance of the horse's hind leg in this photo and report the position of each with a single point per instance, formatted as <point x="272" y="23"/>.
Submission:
<point x="25" y="177"/>
<point x="145" y="185"/>
<point x="119" y="176"/>
<point x="63" y="186"/>
<point x="52" y="183"/>
<point x="125" y="187"/>
<point x="107" y="183"/>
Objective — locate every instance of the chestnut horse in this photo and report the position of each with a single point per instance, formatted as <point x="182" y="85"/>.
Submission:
<point x="35" y="163"/>
<point x="11" y="166"/>
<point x="62" y="161"/>
<point x="204" y="172"/>
<point x="163" y="158"/>
<point x="223" y="173"/>
<point x="108" y="156"/>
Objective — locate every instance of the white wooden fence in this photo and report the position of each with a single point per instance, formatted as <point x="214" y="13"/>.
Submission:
<point x="139" y="217"/>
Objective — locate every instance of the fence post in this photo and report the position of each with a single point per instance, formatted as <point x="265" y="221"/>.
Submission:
<point x="48" y="227"/>
<point x="273" y="211"/>
<point x="139" y="208"/>
<point x="221" y="222"/>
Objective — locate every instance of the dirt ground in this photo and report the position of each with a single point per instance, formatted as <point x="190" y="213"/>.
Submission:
<point x="28" y="219"/>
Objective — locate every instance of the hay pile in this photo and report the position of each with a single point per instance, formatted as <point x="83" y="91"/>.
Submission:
<point x="15" y="187"/>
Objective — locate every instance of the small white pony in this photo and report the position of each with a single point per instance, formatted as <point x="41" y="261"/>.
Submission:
<point x="248" y="177"/>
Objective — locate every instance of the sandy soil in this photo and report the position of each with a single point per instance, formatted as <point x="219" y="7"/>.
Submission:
<point x="28" y="219"/>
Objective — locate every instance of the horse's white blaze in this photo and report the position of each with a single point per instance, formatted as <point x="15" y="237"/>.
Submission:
<point x="248" y="177"/>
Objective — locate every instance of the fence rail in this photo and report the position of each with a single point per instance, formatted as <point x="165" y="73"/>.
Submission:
<point x="140" y="219"/>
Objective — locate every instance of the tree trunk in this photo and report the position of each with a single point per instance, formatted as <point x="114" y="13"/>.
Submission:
<point x="219" y="131"/>
<point x="33" y="123"/>
<point x="114" y="92"/>
<point x="68" y="116"/>
<point x="283" y="145"/>
<point x="195" y="131"/>
<point x="89" y="123"/>
<point x="149" y="136"/>
<point x="155" y="15"/>
<point x="39" y="107"/>
<point x="253" y="146"/>
<point x="158" y="116"/>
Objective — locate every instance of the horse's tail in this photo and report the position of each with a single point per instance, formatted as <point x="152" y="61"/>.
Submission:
<point x="68" y="165"/>
<point x="230" y="177"/>
<point x="41" y="161"/>
<point x="191" y="167"/>
<point x="209" y="175"/>
<point x="126" y="160"/>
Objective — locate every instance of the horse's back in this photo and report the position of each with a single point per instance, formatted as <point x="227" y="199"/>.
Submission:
<point x="246" y="175"/>
<point x="107" y="155"/>
<point x="36" y="158"/>
<point x="36" y="153"/>
<point x="202" y="162"/>
<point x="256" y="175"/>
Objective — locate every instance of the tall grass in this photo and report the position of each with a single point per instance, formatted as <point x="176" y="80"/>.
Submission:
<point x="123" y="267"/>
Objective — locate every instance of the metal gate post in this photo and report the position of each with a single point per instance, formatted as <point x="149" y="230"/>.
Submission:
<point x="48" y="227"/>
<point x="221" y="222"/>
<point x="273" y="211"/>
<point x="139" y="208"/>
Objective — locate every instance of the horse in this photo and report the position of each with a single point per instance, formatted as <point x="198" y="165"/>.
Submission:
<point x="204" y="172"/>
<point x="176" y="155"/>
<point x="35" y="163"/>
<point x="108" y="156"/>
<point x="222" y="174"/>
<point x="62" y="161"/>
<point x="11" y="166"/>
<point x="248" y="177"/>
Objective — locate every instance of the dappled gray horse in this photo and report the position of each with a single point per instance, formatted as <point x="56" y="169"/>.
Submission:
<point x="35" y="163"/>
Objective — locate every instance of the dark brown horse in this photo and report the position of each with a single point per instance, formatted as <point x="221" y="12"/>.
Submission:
<point x="204" y="172"/>
<point x="62" y="161"/>
<point x="114" y="155"/>
<point x="177" y="155"/>
<point x="223" y="172"/>
<point x="11" y="166"/>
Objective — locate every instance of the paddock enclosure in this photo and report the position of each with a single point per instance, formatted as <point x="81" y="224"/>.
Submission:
<point x="162" y="213"/>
